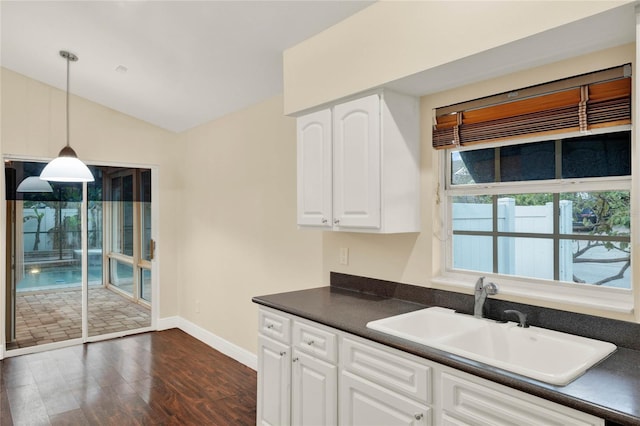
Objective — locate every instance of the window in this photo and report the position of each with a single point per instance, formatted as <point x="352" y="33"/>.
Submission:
<point x="538" y="189"/>
<point x="555" y="210"/>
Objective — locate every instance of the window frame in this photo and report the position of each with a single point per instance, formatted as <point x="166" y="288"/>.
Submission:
<point x="114" y="222"/>
<point x="583" y="295"/>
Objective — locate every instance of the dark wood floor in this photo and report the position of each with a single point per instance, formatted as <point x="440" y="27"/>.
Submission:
<point x="159" y="378"/>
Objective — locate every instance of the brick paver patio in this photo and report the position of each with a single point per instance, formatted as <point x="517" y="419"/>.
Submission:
<point x="54" y="315"/>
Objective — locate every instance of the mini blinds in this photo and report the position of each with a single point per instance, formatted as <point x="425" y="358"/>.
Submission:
<point x="582" y="103"/>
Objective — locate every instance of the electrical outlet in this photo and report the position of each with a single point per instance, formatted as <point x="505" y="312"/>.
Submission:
<point x="344" y="256"/>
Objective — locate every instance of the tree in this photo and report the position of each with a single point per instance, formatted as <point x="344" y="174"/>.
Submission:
<point x="603" y="213"/>
<point x="38" y="216"/>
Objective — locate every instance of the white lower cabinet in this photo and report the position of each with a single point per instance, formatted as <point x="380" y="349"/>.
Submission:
<point x="297" y="372"/>
<point x="364" y="403"/>
<point x="310" y="374"/>
<point x="274" y="381"/>
<point x="313" y="391"/>
<point x="468" y="400"/>
<point x="381" y="386"/>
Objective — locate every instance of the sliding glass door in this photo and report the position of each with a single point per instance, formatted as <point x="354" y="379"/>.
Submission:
<point x="131" y="246"/>
<point x="127" y="242"/>
<point x="44" y="249"/>
<point x="48" y="273"/>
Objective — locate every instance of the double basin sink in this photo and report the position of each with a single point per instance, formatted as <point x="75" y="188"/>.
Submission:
<point x="546" y="355"/>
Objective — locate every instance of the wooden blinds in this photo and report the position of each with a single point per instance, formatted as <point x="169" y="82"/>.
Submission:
<point x="582" y="103"/>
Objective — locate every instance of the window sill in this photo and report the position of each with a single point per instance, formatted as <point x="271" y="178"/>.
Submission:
<point x="613" y="300"/>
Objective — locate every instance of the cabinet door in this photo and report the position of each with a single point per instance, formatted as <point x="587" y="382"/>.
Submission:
<point x="356" y="163"/>
<point x="274" y="378"/>
<point x="314" y="395"/>
<point x="363" y="403"/>
<point x="314" y="169"/>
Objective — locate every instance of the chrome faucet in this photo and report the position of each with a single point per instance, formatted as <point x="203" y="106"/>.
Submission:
<point x="481" y="292"/>
<point x="522" y="318"/>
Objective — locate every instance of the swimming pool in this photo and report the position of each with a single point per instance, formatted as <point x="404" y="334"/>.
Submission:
<point x="57" y="277"/>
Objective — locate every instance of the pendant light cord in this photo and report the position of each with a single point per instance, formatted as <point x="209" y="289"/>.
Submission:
<point x="70" y="57"/>
<point x="68" y="61"/>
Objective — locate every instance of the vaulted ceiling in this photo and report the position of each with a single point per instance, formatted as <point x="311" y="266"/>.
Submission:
<point x="176" y="64"/>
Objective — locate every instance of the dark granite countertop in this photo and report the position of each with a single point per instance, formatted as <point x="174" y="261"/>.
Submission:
<point x="609" y="390"/>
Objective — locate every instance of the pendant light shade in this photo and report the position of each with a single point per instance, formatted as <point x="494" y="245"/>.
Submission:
<point x="34" y="184"/>
<point x="67" y="167"/>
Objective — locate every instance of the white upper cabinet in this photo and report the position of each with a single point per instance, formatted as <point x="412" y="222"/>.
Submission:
<point x="358" y="165"/>
<point x="314" y="169"/>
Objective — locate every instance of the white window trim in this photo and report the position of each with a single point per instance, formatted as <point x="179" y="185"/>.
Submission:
<point x="569" y="294"/>
<point x="593" y="297"/>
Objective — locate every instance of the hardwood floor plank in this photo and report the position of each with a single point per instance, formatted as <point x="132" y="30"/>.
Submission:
<point x="59" y="402"/>
<point x="158" y="378"/>
<point x="70" y="418"/>
<point x="26" y="405"/>
<point x="5" y="410"/>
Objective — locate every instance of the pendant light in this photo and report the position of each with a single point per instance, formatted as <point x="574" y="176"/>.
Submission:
<point x="67" y="167"/>
<point x="34" y="184"/>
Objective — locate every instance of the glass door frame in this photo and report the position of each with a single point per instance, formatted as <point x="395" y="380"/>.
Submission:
<point x="137" y="259"/>
<point x="153" y="264"/>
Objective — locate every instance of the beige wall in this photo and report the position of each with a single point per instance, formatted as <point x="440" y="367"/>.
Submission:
<point x="241" y="239"/>
<point x="393" y="39"/>
<point x="33" y="126"/>
<point x="227" y="198"/>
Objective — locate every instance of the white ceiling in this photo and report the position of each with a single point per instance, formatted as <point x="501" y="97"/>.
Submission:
<point x="188" y="62"/>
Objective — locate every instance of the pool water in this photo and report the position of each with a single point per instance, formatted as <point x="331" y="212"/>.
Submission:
<point x="58" y="277"/>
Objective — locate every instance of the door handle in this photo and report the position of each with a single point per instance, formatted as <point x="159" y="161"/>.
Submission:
<point x="152" y="249"/>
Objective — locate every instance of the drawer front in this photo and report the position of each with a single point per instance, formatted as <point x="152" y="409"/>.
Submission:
<point x="276" y="326"/>
<point x="387" y="369"/>
<point x="467" y="402"/>
<point x="319" y="342"/>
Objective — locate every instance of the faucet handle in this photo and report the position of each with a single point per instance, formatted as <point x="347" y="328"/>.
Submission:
<point x="491" y="289"/>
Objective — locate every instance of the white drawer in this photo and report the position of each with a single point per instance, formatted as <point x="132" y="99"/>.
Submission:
<point x="477" y="402"/>
<point x="276" y="326"/>
<point x="387" y="368"/>
<point x="319" y="342"/>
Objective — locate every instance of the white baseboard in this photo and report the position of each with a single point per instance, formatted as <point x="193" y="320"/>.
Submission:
<point x="167" y="323"/>
<point x="216" y="342"/>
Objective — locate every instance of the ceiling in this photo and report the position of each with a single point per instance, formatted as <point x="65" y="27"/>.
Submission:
<point x="186" y="62"/>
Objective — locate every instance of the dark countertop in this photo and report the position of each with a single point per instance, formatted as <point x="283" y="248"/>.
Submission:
<point x="609" y="390"/>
